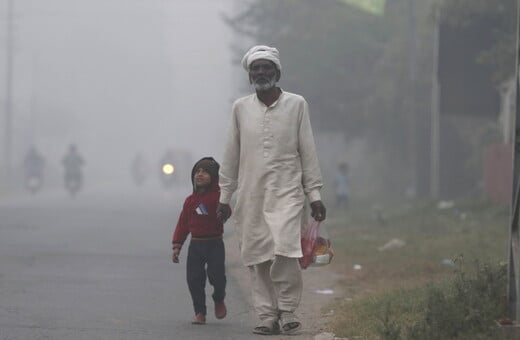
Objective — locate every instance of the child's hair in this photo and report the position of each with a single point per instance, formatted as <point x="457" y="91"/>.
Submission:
<point x="210" y="165"/>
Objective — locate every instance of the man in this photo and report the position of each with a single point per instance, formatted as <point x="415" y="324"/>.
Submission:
<point x="271" y="158"/>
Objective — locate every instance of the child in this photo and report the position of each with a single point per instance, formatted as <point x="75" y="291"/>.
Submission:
<point x="198" y="217"/>
<point x="341" y="183"/>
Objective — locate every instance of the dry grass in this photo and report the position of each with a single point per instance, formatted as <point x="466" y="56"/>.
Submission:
<point x="398" y="277"/>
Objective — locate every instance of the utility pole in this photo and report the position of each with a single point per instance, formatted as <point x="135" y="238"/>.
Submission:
<point x="412" y="114"/>
<point x="8" y="132"/>
<point x="435" y="114"/>
<point x="513" y="288"/>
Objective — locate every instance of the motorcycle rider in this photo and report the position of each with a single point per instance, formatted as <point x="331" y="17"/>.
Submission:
<point x="33" y="169"/>
<point x="167" y="169"/>
<point x="72" y="163"/>
<point x="138" y="169"/>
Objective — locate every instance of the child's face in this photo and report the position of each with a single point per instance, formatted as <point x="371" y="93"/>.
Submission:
<point x="202" y="178"/>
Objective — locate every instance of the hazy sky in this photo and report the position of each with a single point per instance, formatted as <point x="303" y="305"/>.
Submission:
<point x="120" y="76"/>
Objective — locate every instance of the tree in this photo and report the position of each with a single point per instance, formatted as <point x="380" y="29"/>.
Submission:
<point x="331" y="49"/>
<point x="354" y="67"/>
<point x="494" y="19"/>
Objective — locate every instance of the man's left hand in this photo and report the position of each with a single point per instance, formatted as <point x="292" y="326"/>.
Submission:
<point x="318" y="211"/>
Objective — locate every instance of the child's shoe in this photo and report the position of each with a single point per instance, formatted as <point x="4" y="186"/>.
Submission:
<point x="200" y="319"/>
<point x="220" y="310"/>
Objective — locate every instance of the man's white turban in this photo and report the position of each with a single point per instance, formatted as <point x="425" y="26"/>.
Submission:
<point x="261" y="52"/>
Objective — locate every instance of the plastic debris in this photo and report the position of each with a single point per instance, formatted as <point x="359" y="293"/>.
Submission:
<point x="357" y="267"/>
<point x="392" y="244"/>
<point x="325" y="336"/>
<point x="324" y="291"/>
<point x="445" y="205"/>
<point x="329" y="313"/>
<point x="448" y="262"/>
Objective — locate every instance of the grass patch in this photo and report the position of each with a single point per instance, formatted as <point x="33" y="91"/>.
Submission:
<point x="421" y="289"/>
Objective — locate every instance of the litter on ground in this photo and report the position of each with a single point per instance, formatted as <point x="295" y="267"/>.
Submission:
<point x="445" y="205"/>
<point x="448" y="262"/>
<point x="392" y="244"/>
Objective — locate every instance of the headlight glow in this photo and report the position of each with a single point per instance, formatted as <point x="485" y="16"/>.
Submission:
<point x="168" y="169"/>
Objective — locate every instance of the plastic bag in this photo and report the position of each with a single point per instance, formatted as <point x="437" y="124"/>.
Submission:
<point x="316" y="246"/>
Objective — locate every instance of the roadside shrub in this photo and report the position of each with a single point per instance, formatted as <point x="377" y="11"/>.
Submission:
<point x="390" y="329"/>
<point x="463" y="308"/>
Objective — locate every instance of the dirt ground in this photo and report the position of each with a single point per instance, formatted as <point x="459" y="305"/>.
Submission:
<point x="319" y="289"/>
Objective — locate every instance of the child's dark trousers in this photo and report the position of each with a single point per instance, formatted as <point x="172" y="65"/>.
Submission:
<point x="201" y="253"/>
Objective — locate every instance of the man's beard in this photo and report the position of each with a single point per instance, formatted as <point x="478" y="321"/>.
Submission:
<point x="265" y="84"/>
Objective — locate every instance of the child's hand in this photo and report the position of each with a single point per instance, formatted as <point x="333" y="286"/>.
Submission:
<point x="175" y="256"/>
<point x="223" y="212"/>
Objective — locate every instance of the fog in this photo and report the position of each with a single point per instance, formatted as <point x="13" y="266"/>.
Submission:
<point x="412" y="105"/>
<point x="118" y="77"/>
<point x="122" y="77"/>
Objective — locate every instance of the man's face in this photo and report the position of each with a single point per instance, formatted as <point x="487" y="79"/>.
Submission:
<point x="263" y="74"/>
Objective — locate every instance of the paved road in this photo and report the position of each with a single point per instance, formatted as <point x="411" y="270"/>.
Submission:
<point x="98" y="267"/>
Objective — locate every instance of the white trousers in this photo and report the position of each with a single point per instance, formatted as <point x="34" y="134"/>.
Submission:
<point x="276" y="286"/>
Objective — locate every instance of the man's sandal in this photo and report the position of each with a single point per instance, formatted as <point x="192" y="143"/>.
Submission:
<point x="289" y="323"/>
<point x="267" y="327"/>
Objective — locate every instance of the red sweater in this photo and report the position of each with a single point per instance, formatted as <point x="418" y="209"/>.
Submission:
<point x="199" y="217"/>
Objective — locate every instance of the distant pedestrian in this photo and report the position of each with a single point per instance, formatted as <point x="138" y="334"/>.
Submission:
<point x="341" y="183"/>
<point x="198" y="218"/>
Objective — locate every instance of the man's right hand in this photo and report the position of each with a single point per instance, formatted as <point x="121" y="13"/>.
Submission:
<point x="223" y="212"/>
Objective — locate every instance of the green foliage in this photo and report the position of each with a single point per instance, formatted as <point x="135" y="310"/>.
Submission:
<point x="499" y="16"/>
<point x="328" y="50"/>
<point x="352" y="67"/>
<point x="464" y="308"/>
<point x="389" y="329"/>
<point x="415" y="291"/>
<point x="358" y="73"/>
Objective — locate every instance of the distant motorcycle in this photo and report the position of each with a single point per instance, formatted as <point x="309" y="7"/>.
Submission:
<point x="138" y="177"/>
<point x="138" y="169"/>
<point x="34" y="164"/>
<point x="175" y="167"/>
<point x="72" y="163"/>
<point x="33" y="183"/>
<point x="73" y="183"/>
<point x="167" y="175"/>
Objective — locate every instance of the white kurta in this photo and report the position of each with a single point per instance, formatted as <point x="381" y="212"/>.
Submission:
<point x="270" y="160"/>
